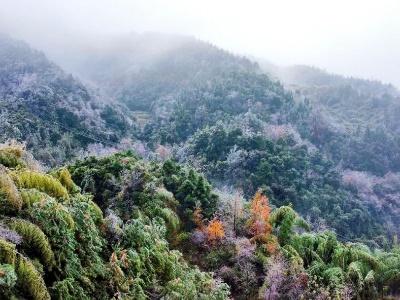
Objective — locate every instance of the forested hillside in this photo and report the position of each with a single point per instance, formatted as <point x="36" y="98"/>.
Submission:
<point x="335" y="161"/>
<point x="55" y="242"/>
<point x="109" y="237"/>
<point x="357" y="120"/>
<point x="52" y="111"/>
<point x="282" y="183"/>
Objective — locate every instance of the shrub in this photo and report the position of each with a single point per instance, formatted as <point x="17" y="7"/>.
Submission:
<point x="7" y="253"/>
<point x="30" y="280"/>
<point x="8" y="278"/>
<point x="65" y="179"/>
<point x="41" y="182"/>
<point x="31" y="196"/>
<point x="11" y="154"/>
<point x="10" y="199"/>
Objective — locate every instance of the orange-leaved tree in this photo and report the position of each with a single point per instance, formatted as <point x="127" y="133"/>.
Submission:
<point x="258" y="223"/>
<point x="215" y="231"/>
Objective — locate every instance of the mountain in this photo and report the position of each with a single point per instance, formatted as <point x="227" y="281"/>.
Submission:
<point x="138" y="69"/>
<point x="355" y="102"/>
<point x="52" y="111"/>
<point x="282" y="182"/>
<point x="294" y="132"/>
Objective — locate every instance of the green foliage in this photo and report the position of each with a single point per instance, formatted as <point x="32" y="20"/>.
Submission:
<point x="189" y="188"/>
<point x="31" y="196"/>
<point x="11" y="158"/>
<point x="14" y="151"/>
<point x="370" y="290"/>
<point x="13" y="155"/>
<point x="102" y="177"/>
<point x="10" y="199"/>
<point x="114" y="120"/>
<point x="88" y="237"/>
<point x="193" y="284"/>
<point x="229" y="153"/>
<point x="68" y="237"/>
<point x="135" y="261"/>
<point x="42" y="182"/>
<point x="34" y="240"/>
<point x="7" y="253"/>
<point x="343" y="256"/>
<point x="285" y="218"/>
<point x="337" y="266"/>
<point x="292" y="254"/>
<point x="8" y="277"/>
<point x="65" y="179"/>
<point x="68" y="289"/>
<point x="30" y="280"/>
<point x="56" y="222"/>
<point x="334" y="278"/>
<point x="144" y="261"/>
<point x="355" y="275"/>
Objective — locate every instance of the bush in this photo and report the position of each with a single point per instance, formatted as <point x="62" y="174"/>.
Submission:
<point x="10" y="199"/>
<point x="42" y="182"/>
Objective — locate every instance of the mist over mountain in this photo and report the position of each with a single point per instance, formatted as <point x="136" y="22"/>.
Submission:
<point x="133" y="67"/>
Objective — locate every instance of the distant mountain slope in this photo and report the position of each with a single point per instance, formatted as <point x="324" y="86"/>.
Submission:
<point x="357" y="101"/>
<point x="138" y="69"/>
<point x="46" y="107"/>
<point x="356" y="117"/>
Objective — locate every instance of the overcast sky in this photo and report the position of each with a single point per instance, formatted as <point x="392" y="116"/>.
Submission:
<point x="348" y="37"/>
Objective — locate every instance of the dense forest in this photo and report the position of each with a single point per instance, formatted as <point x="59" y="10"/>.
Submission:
<point x="104" y="228"/>
<point x="172" y="169"/>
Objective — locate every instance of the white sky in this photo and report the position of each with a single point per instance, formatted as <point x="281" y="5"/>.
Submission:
<point x="359" y="38"/>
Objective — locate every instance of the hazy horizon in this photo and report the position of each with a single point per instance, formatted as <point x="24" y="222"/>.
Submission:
<point x="356" y="38"/>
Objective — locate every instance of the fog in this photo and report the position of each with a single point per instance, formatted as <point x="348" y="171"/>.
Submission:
<point x="352" y="38"/>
